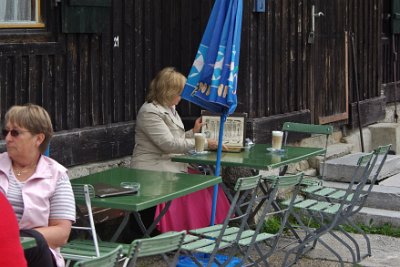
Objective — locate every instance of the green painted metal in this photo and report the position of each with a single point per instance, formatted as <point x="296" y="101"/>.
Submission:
<point x="307" y="128"/>
<point x="395" y="16"/>
<point x="27" y="242"/>
<point x="256" y="157"/>
<point x="155" y="187"/>
<point x="103" y="3"/>
<point x="85" y="16"/>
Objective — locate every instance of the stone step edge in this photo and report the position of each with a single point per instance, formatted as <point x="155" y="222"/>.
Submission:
<point x="377" y="217"/>
<point x="380" y="197"/>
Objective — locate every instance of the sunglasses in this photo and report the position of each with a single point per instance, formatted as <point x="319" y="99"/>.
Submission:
<point x="13" y="132"/>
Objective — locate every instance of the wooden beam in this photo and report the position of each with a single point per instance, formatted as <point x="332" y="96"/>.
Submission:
<point x="389" y="91"/>
<point x="333" y="118"/>
<point x="260" y="129"/>
<point x="372" y="110"/>
<point x="91" y="144"/>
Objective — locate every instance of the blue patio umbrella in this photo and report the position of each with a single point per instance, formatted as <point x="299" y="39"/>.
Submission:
<point x="212" y="80"/>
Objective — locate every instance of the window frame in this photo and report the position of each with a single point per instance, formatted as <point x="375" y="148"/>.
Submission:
<point x="27" y="25"/>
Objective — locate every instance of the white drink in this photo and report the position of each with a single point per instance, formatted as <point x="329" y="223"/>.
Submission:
<point x="277" y="137"/>
<point x="199" y="141"/>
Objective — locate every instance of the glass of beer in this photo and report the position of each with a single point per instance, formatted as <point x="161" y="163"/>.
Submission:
<point x="277" y="137"/>
<point x="199" y="142"/>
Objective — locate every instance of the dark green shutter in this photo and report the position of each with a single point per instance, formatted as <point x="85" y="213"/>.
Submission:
<point x="85" y="16"/>
<point x="395" y="16"/>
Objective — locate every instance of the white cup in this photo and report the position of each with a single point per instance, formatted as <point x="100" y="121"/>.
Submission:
<point x="199" y="142"/>
<point x="277" y="137"/>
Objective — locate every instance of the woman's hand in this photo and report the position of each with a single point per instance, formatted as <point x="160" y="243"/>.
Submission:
<point x="197" y="125"/>
<point x="213" y="145"/>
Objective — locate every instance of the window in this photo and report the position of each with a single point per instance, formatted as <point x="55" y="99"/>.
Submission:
<point x="20" y="14"/>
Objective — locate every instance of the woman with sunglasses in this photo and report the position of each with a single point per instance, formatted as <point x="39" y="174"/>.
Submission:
<point x="159" y="134"/>
<point x="37" y="187"/>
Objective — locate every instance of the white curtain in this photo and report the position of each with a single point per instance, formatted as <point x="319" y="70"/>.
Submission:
<point x="16" y="10"/>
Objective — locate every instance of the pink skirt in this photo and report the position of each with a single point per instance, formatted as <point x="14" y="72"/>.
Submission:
<point x="193" y="211"/>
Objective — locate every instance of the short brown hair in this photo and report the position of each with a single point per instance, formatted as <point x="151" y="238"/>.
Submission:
<point x="34" y="118"/>
<point x="167" y="84"/>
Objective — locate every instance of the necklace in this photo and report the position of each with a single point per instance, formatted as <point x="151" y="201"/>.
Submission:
<point x="19" y="172"/>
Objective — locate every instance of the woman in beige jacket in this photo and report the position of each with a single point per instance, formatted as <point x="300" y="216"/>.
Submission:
<point x="160" y="133"/>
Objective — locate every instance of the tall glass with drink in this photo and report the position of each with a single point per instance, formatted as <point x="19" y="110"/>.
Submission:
<point x="199" y="142"/>
<point x="277" y="137"/>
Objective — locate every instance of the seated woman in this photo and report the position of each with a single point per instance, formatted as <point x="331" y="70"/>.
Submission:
<point x="160" y="134"/>
<point x="37" y="187"/>
<point x="12" y="253"/>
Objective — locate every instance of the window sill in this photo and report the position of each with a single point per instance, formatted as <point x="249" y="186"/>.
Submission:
<point x="21" y="25"/>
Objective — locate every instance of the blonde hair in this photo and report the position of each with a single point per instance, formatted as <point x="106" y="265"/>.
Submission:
<point x="167" y="84"/>
<point x="34" y="118"/>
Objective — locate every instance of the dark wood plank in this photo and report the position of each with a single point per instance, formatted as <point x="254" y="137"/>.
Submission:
<point x="117" y="63"/>
<point x="371" y="111"/>
<point x="260" y="129"/>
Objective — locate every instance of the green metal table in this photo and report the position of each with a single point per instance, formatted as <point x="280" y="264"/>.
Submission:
<point x="155" y="188"/>
<point x="255" y="157"/>
<point x="27" y="242"/>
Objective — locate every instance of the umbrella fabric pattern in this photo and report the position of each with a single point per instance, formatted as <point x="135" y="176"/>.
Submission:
<point x="212" y="81"/>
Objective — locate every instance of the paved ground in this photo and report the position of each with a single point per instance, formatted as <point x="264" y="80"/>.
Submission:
<point x="385" y="253"/>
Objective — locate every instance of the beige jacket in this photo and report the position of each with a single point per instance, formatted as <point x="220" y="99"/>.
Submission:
<point x="159" y="135"/>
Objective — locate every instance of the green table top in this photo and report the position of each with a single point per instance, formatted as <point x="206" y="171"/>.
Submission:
<point x="256" y="157"/>
<point x="27" y="242"/>
<point x="155" y="187"/>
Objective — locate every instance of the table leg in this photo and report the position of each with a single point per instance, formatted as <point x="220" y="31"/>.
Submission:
<point x="148" y="231"/>
<point x="121" y="227"/>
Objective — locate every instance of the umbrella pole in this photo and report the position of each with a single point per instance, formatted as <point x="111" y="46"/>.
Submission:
<point x="218" y="166"/>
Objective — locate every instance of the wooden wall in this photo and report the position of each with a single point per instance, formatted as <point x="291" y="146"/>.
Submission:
<point x="91" y="80"/>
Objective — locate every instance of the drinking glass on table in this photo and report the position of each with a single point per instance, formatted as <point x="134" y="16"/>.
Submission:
<point x="277" y="137"/>
<point x="199" y="139"/>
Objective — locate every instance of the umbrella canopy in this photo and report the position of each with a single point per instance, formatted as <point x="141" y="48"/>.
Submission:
<point x="212" y="80"/>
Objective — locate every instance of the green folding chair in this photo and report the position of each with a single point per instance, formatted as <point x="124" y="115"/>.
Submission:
<point x="109" y="259"/>
<point x="314" y="130"/>
<point x="85" y="249"/>
<point x="362" y="188"/>
<point x="235" y="234"/>
<point x="330" y="215"/>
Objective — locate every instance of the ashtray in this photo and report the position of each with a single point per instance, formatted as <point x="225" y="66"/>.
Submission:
<point x="274" y="150"/>
<point x="130" y="185"/>
<point x="194" y="152"/>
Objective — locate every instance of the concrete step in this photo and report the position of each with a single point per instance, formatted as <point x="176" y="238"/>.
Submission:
<point x="377" y="217"/>
<point x="333" y="151"/>
<point x="385" y="133"/>
<point x="391" y="181"/>
<point x="381" y="197"/>
<point x="342" y="169"/>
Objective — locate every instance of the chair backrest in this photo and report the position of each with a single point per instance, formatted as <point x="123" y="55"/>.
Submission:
<point x="161" y="244"/>
<point x="325" y="130"/>
<point x="109" y="259"/>
<point x="381" y="152"/>
<point x="86" y="192"/>
<point x="376" y="164"/>
<point x="291" y="181"/>
<point x="245" y="195"/>
<point x="266" y="210"/>
<point x="269" y="209"/>
<point x="350" y="202"/>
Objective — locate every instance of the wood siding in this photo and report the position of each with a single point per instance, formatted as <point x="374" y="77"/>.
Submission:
<point x="93" y="84"/>
<point x="89" y="79"/>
